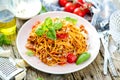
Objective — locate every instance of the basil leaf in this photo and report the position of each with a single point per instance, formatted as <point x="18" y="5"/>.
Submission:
<point x="43" y="9"/>
<point x="7" y="41"/>
<point x="39" y="31"/>
<point x="51" y="34"/>
<point x="74" y="21"/>
<point x="44" y="27"/>
<point x="57" y="25"/>
<point x="39" y="79"/>
<point x="29" y="53"/>
<point x="48" y="22"/>
<point x="4" y="40"/>
<point x="1" y="39"/>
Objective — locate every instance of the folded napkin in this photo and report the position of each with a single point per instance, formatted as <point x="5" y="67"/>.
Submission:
<point x="114" y="49"/>
<point x="51" y="6"/>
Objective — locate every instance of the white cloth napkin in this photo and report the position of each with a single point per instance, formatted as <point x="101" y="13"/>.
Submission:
<point x="114" y="49"/>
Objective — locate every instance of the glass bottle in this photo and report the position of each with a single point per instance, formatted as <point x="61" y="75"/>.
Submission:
<point x="7" y="18"/>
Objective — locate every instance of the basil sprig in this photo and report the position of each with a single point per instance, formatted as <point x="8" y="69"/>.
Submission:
<point x="72" y="20"/>
<point x="4" y="40"/>
<point x="49" y="27"/>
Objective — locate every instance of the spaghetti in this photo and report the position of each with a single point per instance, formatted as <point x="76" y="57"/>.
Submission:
<point x="70" y="39"/>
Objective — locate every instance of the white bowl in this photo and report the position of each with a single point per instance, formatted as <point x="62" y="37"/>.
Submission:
<point x="25" y="9"/>
<point x="93" y="40"/>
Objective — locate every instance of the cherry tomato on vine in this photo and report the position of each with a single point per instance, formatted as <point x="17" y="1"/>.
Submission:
<point x="69" y="7"/>
<point x="81" y="1"/>
<point x="87" y="10"/>
<point x="80" y="12"/>
<point x="77" y="5"/>
<point x="87" y="5"/>
<point x="62" y="3"/>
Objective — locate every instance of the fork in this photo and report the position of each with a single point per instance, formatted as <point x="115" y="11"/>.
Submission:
<point x="107" y="58"/>
<point x="102" y="27"/>
<point x="104" y="36"/>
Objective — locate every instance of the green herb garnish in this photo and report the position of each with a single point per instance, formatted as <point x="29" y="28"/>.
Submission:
<point x="40" y="31"/>
<point x="74" y="21"/>
<point x="48" y="22"/>
<point x="51" y="33"/>
<point x="49" y="28"/>
<point x="29" y="53"/>
<point x="57" y="25"/>
<point x="4" y="40"/>
<point x="43" y="10"/>
<point x="39" y="79"/>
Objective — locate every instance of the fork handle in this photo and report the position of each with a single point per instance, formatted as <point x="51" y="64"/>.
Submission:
<point x="106" y="52"/>
<point x="107" y="58"/>
<point x="105" y="69"/>
<point x="114" y="72"/>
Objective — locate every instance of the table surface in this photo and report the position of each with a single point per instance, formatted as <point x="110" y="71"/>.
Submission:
<point x="94" y="71"/>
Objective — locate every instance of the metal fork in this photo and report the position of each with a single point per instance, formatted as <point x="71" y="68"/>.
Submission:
<point x="104" y="36"/>
<point x="107" y="57"/>
<point x="101" y="25"/>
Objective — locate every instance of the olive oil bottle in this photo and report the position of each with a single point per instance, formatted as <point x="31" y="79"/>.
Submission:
<point x="7" y="22"/>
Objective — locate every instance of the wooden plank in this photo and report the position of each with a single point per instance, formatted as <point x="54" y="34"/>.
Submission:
<point x="116" y="62"/>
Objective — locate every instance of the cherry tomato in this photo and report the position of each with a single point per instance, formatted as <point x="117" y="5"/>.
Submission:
<point x="62" y="3"/>
<point x="77" y="5"/>
<point x="80" y="12"/>
<point x="81" y="1"/>
<point x="69" y="7"/>
<point x="62" y="35"/>
<point x="87" y="5"/>
<point x="71" y="58"/>
<point x="87" y="10"/>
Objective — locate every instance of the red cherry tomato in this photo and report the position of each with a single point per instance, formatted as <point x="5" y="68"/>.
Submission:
<point x="71" y="58"/>
<point x="69" y="7"/>
<point x="81" y="1"/>
<point x="77" y="5"/>
<point x="87" y="10"/>
<point x="87" y="5"/>
<point x="62" y="3"/>
<point x="62" y="35"/>
<point x="80" y="12"/>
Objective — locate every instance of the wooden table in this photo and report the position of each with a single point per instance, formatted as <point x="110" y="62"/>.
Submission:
<point x="92" y="72"/>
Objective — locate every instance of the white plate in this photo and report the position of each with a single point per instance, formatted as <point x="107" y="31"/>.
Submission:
<point x="25" y="9"/>
<point x="94" y="44"/>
